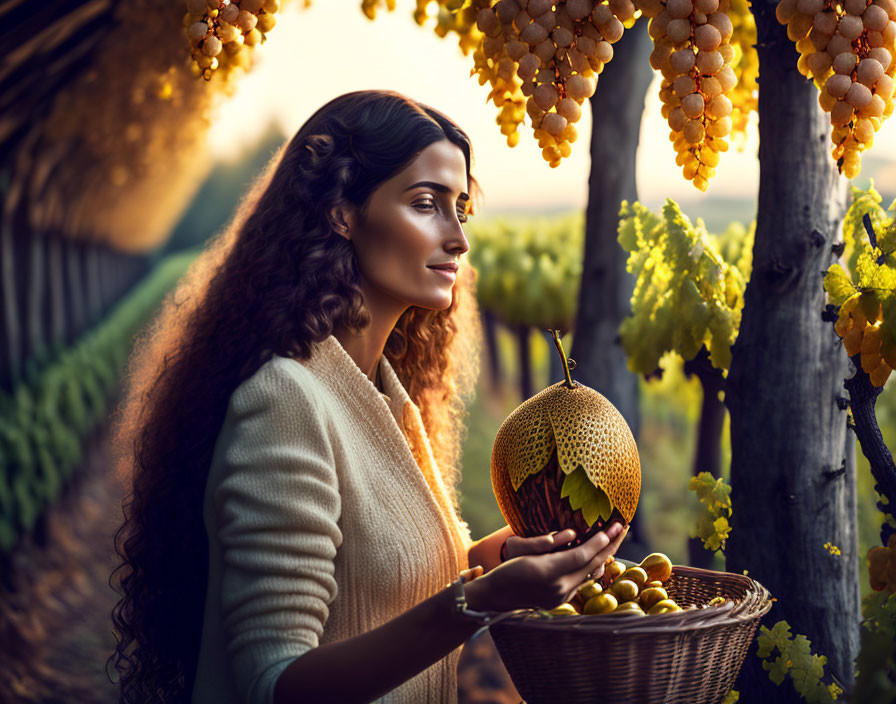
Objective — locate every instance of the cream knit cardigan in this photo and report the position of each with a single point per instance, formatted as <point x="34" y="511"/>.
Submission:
<point x="326" y="517"/>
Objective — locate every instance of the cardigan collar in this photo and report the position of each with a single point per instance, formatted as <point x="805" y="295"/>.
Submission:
<point x="329" y="358"/>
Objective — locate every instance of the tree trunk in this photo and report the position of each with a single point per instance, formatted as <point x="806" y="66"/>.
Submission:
<point x="11" y="329"/>
<point x="525" y="360"/>
<point x="490" y="330"/>
<point x="37" y="289"/>
<point x="708" y="454"/>
<point x="57" y="293"/>
<point x="77" y="314"/>
<point x="606" y="289"/>
<point x="788" y="436"/>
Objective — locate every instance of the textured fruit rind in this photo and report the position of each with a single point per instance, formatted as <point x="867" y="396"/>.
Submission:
<point x="589" y="431"/>
<point x="585" y="428"/>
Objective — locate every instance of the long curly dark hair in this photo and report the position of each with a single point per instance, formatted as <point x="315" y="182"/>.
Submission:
<point x="276" y="281"/>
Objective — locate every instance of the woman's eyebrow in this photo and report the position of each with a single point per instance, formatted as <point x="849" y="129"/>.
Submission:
<point x="441" y="188"/>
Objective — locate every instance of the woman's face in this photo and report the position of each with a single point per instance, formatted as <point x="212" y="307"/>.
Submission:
<point x="413" y="224"/>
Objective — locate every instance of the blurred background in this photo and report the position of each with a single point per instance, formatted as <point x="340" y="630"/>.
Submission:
<point x="87" y="257"/>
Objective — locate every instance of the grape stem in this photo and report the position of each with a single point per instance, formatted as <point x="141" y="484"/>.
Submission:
<point x="557" y="341"/>
<point x="872" y="237"/>
<point x="863" y="396"/>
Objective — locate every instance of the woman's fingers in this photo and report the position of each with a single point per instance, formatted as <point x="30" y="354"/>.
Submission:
<point x="595" y="566"/>
<point x="517" y="546"/>
<point x="577" y="558"/>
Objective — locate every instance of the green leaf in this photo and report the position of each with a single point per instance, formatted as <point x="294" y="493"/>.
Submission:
<point x="838" y="285"/>
<point x="807" y="669"/>
<point x="582" y="494"/>
<point x="778" y="637"/>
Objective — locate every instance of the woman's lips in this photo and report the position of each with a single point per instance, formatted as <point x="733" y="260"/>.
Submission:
<point x="447" y="273"/>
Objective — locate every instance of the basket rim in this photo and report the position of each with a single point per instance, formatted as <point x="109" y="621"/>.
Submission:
<point x="755" y="604"/>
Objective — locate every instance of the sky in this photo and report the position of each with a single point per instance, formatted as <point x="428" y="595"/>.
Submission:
<point x="318" y="53"/>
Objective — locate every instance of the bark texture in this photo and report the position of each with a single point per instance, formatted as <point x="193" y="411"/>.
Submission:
<point x="792" y="488"/>
<point x="708" y="453"/>
<point x="606" y="289"/>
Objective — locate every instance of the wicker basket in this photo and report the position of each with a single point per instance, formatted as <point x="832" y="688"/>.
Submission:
<point x="688" y="657"/>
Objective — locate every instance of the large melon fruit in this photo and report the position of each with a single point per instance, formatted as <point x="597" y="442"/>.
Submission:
<point x="565" y="458"/>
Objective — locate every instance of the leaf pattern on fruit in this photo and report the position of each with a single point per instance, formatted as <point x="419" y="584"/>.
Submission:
<point x="582" y="494"/>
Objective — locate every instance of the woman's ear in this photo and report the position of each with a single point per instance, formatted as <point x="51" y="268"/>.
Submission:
<point x="341" y="219"/>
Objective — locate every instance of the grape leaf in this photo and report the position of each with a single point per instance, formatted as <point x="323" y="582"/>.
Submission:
<point x="583" y="495"/>
<point x="838" y="285"/>
<point x="807" y="669"/>
<point x="778" y="637"/>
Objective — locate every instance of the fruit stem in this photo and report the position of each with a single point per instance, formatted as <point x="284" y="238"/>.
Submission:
<point x="569" y="383"/>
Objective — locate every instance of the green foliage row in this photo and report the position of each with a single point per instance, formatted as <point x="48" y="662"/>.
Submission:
<point x="529" y="270"/>
<point x="689" y="285"/>
<point x="46" y="420"/>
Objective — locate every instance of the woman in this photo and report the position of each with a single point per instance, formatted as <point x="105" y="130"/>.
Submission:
<point x="290" y="433"/>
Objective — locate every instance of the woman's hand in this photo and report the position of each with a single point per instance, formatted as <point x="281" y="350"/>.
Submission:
<point x="542" y="579"/>
<point x="515" y="546"/>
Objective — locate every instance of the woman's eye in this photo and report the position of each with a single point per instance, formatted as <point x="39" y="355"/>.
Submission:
<point x="425" y="205"/>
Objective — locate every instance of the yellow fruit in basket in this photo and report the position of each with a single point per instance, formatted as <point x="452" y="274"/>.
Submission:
<point x="613" y="570"/>
<point x="565" y="458"/>
<point x="629" y="607"/>
<point x="600" y="604"/>
<point x="664" y="607"/>
<point x="564" y="610"/>
<point x="651" y="596"/>
<point x="716" y="601"/>
<point x="657" y="566"/>
<point x="654" y="583"/>
<point x="589" y="590"/>
<point x="636" y="575"/>
<point x="624" y="590"/>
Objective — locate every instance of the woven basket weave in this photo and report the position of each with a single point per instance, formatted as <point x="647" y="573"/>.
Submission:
<point x="688" y="657"/>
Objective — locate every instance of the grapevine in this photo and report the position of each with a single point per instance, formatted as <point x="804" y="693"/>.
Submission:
<point x="692" y="50"/>
<point x="848" y="49"/>
<point x="876" y="662"/>
<point x="687" y="294"/>
<point x="866" y="319"/>
<point x="712" y="522"/>
<point x="785" y="655"/>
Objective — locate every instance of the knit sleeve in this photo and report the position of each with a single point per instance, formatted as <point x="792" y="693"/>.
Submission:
<point x="276" y="508"/>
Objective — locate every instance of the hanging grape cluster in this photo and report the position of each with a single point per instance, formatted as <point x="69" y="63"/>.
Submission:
<point x="867" y="305"/>
<point x="745" y="94"/>
<point x="882" y="566"/>
<point x="692" y="50"/>
<point x="222" y="32"/>
<point x="548" y="53"/>
<point x="848" y="48"/>
<point x="861" y="335"/>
